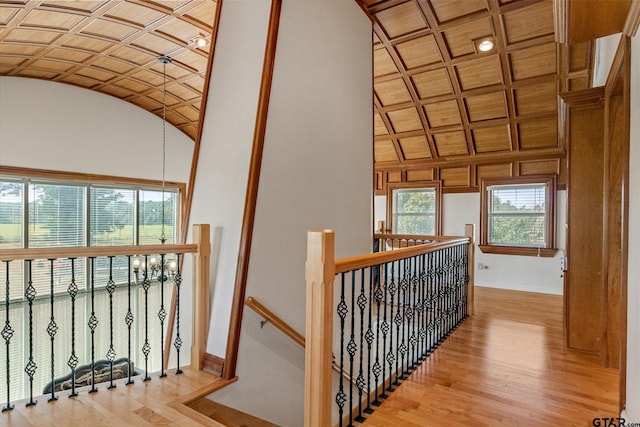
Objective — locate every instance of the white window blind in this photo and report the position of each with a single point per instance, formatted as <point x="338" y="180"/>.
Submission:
<point x="56" y="219"/>
<point x="517" y="215"/>
<point x="112" y="216"/>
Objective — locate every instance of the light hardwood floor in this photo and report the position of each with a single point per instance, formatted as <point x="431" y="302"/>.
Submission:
<point x="159" y="402"/>
<point x="505" y="366"/>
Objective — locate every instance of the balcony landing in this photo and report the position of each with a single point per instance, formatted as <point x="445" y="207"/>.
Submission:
<point x="160" y="401"/>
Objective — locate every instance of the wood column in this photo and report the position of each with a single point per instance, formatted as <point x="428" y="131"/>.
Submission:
<point x="320" y="273"/>
<point x="585" y="285"/>
<point x="201" y="294"/>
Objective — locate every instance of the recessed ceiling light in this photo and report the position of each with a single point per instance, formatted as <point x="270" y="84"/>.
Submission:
<point x="201" y="41"/>
<point x="485" y="45"/>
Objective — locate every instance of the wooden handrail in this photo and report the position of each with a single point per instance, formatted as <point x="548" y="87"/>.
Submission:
<point x="412" y="237"/>
<point x="93" y="251"/>
<point x="362" y="261"/>
<point x="275" y="320"/>
<point x="284" y="327"/>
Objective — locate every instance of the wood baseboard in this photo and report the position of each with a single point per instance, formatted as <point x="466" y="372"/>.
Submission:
<point x="213" y="364"/>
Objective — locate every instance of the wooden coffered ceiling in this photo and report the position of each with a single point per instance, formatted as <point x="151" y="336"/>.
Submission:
<point x="439" y="99"/>
<point x="112" y="46"/>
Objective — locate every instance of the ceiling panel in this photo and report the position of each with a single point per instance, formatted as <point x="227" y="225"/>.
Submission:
<point x="419" y="51"/>
<point x="401" y="19"/>
<point x="491" y="139"/>
<point x="415" y="147"/>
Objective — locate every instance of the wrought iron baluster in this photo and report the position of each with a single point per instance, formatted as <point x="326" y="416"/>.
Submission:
<point x="399" y="320"/>
<point x="390" y="356"/>
<point x="360" y="382"/>
<point x="30" y="294"/>
<point x="351" y="345"/>
<point x="412" y="358"/>
<point x="72" y="363"/>
<point x="439" y="296"/>
<point x="465" y="279"/>
<point x="342" y="311"/>
<point x="446" y="289"/>
<point x="52" y="328"/>
<point x="7" y="334"/>
<point x="408" y="308"/>
<point x="177" y="280"/>
<point x="431" y="301"/>
<point x="128" y="319"/>
<point x="422" y="318"/>
<point x="377" y="368"/>
<point x="162" y="315"/>
<point x="111" y="353"/>
<point x="146" y="348"/>
<point x="369" y="337"/>
<point x="459" y="280"/>
<point x="93" y="323"/>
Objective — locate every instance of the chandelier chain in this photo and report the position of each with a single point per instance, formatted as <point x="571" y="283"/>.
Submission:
<point x="164" y="60"/>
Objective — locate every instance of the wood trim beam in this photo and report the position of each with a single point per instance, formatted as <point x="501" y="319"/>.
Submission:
<point x="633" y="19"/>
<point x="233" y="339"/>
<point x="86" y="177"/>
<point x="478" y="159"/>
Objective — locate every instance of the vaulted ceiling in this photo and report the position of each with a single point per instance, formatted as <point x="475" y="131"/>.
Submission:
<point x="112" y="47"/>
<point x="438" y="97"/>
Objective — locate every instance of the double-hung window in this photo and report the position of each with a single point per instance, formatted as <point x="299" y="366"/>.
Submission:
<point x="415" y="208"/>
<point x="517" y="215"/>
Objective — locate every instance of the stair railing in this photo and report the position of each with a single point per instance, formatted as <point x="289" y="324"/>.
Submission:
<point x="105" y="300"/>
<point x="394" y="308"/>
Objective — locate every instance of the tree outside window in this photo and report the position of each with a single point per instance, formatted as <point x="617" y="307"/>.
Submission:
<point x="415" y="209"/>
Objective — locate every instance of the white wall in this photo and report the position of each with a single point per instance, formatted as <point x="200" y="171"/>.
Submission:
<point x="633" y="275"/>
<point x="48" y="125"/>
<point x="227" y="139"/>
<point x="523" y="273"/>
<point x="316" y="174"/>
<point x="605" y="52"/>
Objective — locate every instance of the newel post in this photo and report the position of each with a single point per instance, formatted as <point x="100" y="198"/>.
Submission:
<point x="320" y="273"/>
<point x="469" y="231"/>
<point x="201" y="279"/>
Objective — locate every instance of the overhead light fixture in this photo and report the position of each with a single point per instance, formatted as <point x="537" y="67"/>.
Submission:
<point x="485" y="45"/>
<point x="200" y="40"/>
<point x="164" y="60"/>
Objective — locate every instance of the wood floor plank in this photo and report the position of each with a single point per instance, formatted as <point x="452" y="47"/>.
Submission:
<point x="505" y="366"/>
<point x="159" y="402"/>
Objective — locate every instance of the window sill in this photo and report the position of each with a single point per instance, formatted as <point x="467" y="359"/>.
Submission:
<point x="517" y="250"/>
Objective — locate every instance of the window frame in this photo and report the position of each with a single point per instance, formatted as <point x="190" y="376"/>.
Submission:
<point x="435" y="185"/>
<point x="549" y="250"/>
<point x="27" y="177"/>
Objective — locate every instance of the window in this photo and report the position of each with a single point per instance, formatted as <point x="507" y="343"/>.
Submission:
<point x="517" y="215"/>
<point x="415" y="208"/>
<point x="46" y="213"/>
